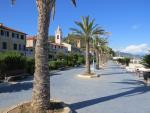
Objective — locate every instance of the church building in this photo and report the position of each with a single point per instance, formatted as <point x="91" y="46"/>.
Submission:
<point x="58" y="46"/>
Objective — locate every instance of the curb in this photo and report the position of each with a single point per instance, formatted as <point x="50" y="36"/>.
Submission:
<point x="88" y="76"/>
<point x="66" y="108"/>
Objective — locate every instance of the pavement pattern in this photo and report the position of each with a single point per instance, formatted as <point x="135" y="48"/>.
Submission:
<point x="115" y="91"/>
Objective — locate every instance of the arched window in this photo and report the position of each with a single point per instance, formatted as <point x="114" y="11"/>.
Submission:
<point x="57" y="36"/>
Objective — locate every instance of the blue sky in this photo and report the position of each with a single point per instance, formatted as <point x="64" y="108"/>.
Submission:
<point x="127" y="20"/>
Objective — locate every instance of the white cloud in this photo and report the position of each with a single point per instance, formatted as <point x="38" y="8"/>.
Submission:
<point x="136" y="49"/>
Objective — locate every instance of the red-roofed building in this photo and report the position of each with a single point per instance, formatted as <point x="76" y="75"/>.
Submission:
<point x="53" y="47"/>
<point x="12" y="40"/>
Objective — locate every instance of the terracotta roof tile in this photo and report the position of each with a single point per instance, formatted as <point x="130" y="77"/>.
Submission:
<point x="34" y="38"/>
<point x="31" y="38"/>
<point x="10" y="29"/>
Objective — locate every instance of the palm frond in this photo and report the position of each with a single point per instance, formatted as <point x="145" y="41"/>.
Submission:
<point x="74" y="2"/>
<point x="76" y="31"/>
<point x="96" y="31"/>
<point x="81" y="26"/>
<point x="53" y="9"/>
<point x="84" y="22"/>
<point x="13" y="2"/>
<point x="87" y="21"/>
<point x="88" y="27"/>
<point x="91" y="24"/>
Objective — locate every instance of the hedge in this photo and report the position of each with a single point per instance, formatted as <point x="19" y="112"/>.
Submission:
<point x="11" y="61"/>
<point x="146" y="61"/>
<point x="124" y="61"/>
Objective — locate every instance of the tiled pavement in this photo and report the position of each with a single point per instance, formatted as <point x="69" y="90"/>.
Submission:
<point x="114" y="92"/>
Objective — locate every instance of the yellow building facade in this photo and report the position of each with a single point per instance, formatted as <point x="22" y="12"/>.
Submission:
<point x="12" y="40"/>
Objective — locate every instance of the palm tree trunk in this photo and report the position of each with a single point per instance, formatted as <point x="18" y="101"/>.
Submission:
<point x="41" y="83"/>
<point x="100" y="58"/>
<point x="103" y="58"/>
<point x="88" y="71"/>
<point x="97" y="59"/>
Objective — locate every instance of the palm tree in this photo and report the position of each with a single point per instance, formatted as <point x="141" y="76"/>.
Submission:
<point x="87" y="29"/>
<point x="102" y="50"/>
<point x="97" y="41"/>
<point x="111" y="52"/>
<point x="41" y="83"/>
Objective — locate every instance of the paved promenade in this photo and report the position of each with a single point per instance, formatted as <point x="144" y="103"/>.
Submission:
<point x="114" y="92"/>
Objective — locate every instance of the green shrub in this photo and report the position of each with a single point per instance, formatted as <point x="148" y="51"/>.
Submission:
<point x="70" y="59"/>
<point x="2" y="69"/>
<point x="124" y="61"/>
<point x="10" y="61"/>
<point x="30" y="65"/>
<point x="75" y="59"/>
<point x="52" y="65"/>
<point x="81" y="60"/>
<point x="146" y="61"/>
<point x="60" y="56"/>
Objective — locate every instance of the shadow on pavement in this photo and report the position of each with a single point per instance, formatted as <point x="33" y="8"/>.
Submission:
<point x="58" y="72"/>
<point x="8" y="88"/>
<point x="131" y="82"/>
<point x="115" y="67"/>
<point x="54" y="73"/>
<point x="116" y="73"/>
<point x="141" y="89"/>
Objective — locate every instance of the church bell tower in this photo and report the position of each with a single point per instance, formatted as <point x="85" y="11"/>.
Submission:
<point x="58" y="35"/>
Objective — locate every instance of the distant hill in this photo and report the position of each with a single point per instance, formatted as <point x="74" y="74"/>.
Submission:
<point x="122" y="54"/>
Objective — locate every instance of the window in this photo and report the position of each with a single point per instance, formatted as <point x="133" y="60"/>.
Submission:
<point x="4" y="45"/>
<point x="24" y="47"/>
<point x="22" y="37"/>
<point x="7" y="33"/>
<point x="2" y="33"/>
<point x="13" y="35"/>
<point x="17" y="36"/>
<point x="19" y="46"/>
<point x="57" y="36"/>
<point x="50" y="56"/>
<point x="15" y="46"/>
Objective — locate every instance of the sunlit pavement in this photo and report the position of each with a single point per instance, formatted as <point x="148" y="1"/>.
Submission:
<point x="116" y="91"/>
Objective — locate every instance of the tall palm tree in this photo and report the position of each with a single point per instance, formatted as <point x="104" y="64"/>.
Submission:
<point x="87" y="29"/>
<point x="41" y="83"/>
<point x="102" y="50"/>
<point x="105" y="54"/>
<point x="97" y="41"/>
